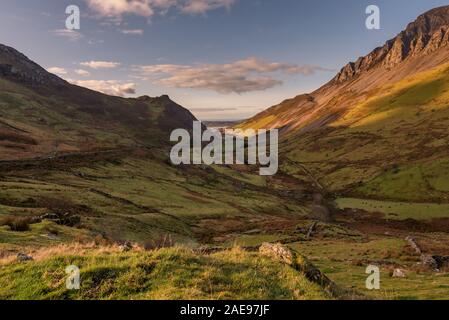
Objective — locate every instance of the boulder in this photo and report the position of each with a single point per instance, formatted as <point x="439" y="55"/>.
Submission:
<point x="278" y="252"/>
<point x="127" y="246"/>
<point x="22" y="257"/>
<point x="399" y="273"/>
<point x="429" y="261"/>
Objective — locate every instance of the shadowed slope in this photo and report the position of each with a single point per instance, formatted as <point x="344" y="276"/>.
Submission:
<point x="41" y="114"/>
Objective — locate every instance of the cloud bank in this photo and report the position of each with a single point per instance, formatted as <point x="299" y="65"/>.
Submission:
<point x="148" y="8"/>
<point x="242" y="76"/>
<point x="101" y="64"/>
<point x="133" y="32"/>
<point x="57" y="70"/>
<point x="110" y="87"/>
<point x="70" y="35"/>
<point x="82" y="72"/>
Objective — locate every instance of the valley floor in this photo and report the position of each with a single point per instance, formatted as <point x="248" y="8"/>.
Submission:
<point x="135" y="196"/>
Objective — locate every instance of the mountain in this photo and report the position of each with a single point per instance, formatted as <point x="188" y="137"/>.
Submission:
<point x="85" y="179"/>
<point x="429" y="33"/>
<point x="41" y="114"/>
<point x="378" y="129"/>
<point x="83" y="164"/>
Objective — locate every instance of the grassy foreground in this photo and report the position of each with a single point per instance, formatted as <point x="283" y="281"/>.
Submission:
<point x="175" y="273"/>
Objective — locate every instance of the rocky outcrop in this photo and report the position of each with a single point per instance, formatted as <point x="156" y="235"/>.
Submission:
<point x="16" y="66"/>
<point x="22" y="257"/>
<point x="434" y="262"/>
<point x="293" y="259"/>
<point x="428" y="33"/>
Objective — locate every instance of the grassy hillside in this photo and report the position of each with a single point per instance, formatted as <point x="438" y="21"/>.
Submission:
<point x="137" y="196"/>
<point x="175" y="273"/>
<point x="391" y="146"/>
<point x="78" y="164"/>
<point x="46" y="120"/>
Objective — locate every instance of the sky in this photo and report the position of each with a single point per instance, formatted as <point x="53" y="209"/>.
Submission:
<point x="221" y="59"/>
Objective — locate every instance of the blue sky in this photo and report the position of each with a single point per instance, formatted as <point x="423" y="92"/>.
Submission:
<point x="222" y="59"/>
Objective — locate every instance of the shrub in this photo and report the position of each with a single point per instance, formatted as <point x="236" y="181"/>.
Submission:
<point x="18" y="224"/>
<point x="161" y="241"/>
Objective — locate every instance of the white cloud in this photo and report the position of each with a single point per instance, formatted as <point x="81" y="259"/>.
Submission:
<point x="147" y="8"/>
<point x="57" y="70"/>
<point x="70" y="35"/>
<point x="82" y="72"/>
<point x="100" y="64"/>
<point x="202" y="6"/>
<point x="110" y="87"/>
<point x="241" y="76"/>
<point x="135" y="32"/>
<point x="114" y="8"/>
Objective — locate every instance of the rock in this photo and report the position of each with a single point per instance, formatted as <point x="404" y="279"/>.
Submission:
<point x="442" y="261"/>
<point x="278" y="252"/>
<point x="126" y="247"/>
<point x="301" y="264"/>
<point x="22" y="257"/>
<point x="311" y="230"/>
<point x="427" y="34"/>
<point x="434" y="262"/>
<point x="429" y="261"/>
<point x="414" y="244"/>
<point x="251" y="232"/>
<point x="51" y="236"/>
<point x="399" y="273"/>
<point x="66" y="219"/>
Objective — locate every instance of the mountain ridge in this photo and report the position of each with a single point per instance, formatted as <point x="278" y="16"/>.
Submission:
<point x="429" y="32"/>
<point x="387" y="64"/>
<point x="359" y="132"/>
<point x="43" y="114"/>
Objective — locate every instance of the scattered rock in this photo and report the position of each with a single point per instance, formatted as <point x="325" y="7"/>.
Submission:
<point x="255" y="231"/>
<point x="51" y="236"/>
<point x="126" y="247"/>
<point x="428" y="261"/>
<point x="311" y="230"/>
<point x="414" y="244"/>
<point x="442" y="261"/>
<point x="399" y="273"/>
<point x="279" y="252"/>
<point x="434" y="262"/>
<point x="427" y="33"/>
<point x="301" y="264"/>
<point x="22" y="257"/>
<point x="65" y="219"/>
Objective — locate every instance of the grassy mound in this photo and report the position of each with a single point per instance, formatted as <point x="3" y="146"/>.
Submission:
<point x="175" y="273"/>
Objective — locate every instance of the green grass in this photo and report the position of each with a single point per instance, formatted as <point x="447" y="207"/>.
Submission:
<point x="345" y="263"/>
<point x="397" y="210"/>
<point x="426" y="182"/>
<point x="253" y="179"/>
<point x="42" y="234"/>
<point x="147" y="197"/>
<point x="401" y="126"/>
<point x="255" y="240"/>
<point x="165" y="274"/>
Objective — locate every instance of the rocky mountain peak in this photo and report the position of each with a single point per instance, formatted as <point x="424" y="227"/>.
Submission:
<point x="17" y="67"/>
<point x="426" y="34"/>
